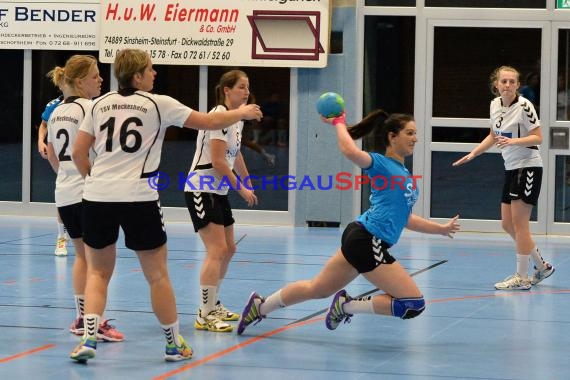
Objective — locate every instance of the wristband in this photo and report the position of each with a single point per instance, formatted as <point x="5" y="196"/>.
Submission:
<point x="339" y="119"/>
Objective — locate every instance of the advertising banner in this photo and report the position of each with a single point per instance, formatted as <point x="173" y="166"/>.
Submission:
<point x="49" y="25"/>
<point x="284" y="33"/>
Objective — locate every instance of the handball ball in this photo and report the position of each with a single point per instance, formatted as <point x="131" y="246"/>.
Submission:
<point x="330" y="104"/>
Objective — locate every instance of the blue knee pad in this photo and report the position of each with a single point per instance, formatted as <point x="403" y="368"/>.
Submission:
<point x="407" y="308"/>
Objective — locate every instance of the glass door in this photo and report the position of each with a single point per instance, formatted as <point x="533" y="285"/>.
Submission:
<point x="559" y="112"/>
<point x="461" y="55"/>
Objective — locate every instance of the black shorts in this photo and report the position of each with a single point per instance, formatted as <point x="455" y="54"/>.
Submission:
<point x="207" y="208"/>
<point x="141" y="222"/>
<point x="72" y="218"/>
<point x="523" y="184"/>
<point x="363" y="250"/>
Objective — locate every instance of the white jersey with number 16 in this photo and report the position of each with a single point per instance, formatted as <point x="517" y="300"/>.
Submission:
<point x="129" y="128"/>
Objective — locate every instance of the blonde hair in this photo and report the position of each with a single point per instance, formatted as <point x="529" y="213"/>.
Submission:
<point x="76" y="67"/>
<point x="494" y="78"/>
<point x="128" y="62"/>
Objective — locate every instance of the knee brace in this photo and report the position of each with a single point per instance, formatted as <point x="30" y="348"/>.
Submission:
<point x="407" y="308"/>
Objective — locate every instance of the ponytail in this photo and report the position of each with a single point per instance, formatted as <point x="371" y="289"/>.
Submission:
<point x="368" y="124"/>
<point x="382" y="124"/>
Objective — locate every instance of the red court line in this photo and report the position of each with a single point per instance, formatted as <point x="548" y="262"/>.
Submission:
<point x="26" y="353"/>
<point x="510" y="294"/>
<point x="248" y="342"/>
<point x="32" y="279"/>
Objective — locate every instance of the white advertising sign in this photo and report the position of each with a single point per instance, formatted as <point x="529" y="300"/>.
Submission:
<point x="283" y="33"/>
<point x="49" y="25"/>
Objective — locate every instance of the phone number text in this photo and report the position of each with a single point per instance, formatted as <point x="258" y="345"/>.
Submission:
<point x="184" y="54"/>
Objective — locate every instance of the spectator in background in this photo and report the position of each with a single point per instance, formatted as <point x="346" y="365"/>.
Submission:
<point x="274" y="124"/>
<point x="563" y="111"/>
<point x="250" y="129"/>
<point x="562" y="99"/>
<point x="531" y="89"/>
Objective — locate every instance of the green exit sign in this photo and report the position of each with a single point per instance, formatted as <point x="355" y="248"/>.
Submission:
<point x="563" y="4"/>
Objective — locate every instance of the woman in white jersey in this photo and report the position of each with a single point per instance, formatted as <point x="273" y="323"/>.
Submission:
<point x="81" y="82"/>
<point x="515" y="129"/>
<point x="126" y="128"/>
<point x="365" y="242"/>
<point x="206" y="191"/>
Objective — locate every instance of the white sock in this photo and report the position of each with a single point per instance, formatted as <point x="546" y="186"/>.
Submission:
<point x="60" y="230"/>
<point x="539" y="262"/>
<point x="91" y="324"/>
<point x="218" y="292"/>
<point x="362" y="305"/>
<point x="272" y="303"/>
<point x="79" y="305"/>
<point x="172" y="333"/>
<point x="523" y="262"/>
<point x="209" y="299"/>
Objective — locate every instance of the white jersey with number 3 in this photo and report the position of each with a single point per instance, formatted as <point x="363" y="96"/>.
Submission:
<point x="129" y="128"/>
<point x="515" y="121"/>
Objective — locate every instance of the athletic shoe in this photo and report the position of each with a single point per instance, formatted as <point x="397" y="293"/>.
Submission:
<point x="542" y="274"/>
<point x="211" y="322"/>
<point x="251" y="312"/>
<point x="108" y="333"/>
<point x="85" y="350"/>
<point x="336" y="313"/>
<point x="76" y="327"/>
<point x="514" y="282"/>
<point x="225" y="314"/>
<point x="176" y="353"/>
<point x="60" y="247"/>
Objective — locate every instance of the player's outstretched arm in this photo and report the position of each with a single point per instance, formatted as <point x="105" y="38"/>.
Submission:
<point x="483" y="146"/>
<point x="419" y="224"/>
<point x="221" y="120"/>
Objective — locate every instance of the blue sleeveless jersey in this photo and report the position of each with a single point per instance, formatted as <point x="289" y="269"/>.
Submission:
<point x="391" y="200"/>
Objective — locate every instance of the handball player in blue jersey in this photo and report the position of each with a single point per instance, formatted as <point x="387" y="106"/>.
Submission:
<point x="366" y="241"/>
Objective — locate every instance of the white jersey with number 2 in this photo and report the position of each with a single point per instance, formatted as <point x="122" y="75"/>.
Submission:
<point x="63" y="124"/>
